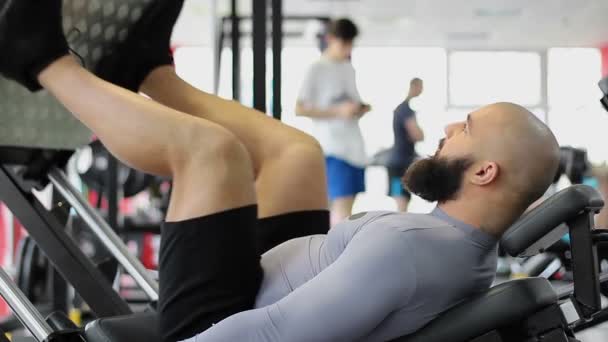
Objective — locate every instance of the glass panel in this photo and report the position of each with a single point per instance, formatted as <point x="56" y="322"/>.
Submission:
<point x="482" y="77"/>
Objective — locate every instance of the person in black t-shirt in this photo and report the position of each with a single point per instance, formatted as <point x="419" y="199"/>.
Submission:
<point x="407" y="134"/>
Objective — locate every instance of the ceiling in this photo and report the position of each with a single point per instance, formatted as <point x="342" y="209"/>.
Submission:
<point x="476" y="24"/>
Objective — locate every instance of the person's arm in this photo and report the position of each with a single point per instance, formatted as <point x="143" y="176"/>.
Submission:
<point x="413" y="129"/>
<point x="373" y="277"/>
<point x="346" y="109"/>
<point x="353" y="92"/>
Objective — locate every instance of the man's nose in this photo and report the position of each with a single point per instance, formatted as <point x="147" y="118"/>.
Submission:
<point x="452" y="128"/>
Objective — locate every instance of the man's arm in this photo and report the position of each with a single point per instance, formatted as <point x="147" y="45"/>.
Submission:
<point x="373" y="277"/>
<point x="346" y="109"/>
<point x="413" y="129"/>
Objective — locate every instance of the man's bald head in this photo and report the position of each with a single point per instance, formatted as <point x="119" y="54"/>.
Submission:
<point x="489" y="168"/>
<point x="523" y="146"/>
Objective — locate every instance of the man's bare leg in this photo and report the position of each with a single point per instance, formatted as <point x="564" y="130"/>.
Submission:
<point x="211" y="168"/>
<point x="341" y="208"/>
<point x="402" y="203"/>
<point x="289" y="165"/>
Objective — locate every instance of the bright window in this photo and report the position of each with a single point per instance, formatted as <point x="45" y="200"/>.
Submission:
<point x="481" y="77"/>
<point x="575" y="113"/>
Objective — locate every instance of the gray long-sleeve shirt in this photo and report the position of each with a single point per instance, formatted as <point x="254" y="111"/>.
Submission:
<point x="377" y="276"/>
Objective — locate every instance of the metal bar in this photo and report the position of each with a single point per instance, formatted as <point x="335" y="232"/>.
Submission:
<point x="67" y="258"/>
<point x="260" y="10"/>
<point x="106" y="235"/>
<point x="544" y="83"/>
<point x="566" y="290"/>
<point x="214" y="32"/>
<point x="291" y="18"/>
<point x="112" y="191"/>
<point x="10" y="238"/>
<point x="585" y="269"/>
<point x="277" y="58"/>
<point x="23" y="308"/>
<point x="235" y="35"/>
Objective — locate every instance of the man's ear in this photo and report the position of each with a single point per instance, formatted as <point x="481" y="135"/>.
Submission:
<point x="484" y="173"/>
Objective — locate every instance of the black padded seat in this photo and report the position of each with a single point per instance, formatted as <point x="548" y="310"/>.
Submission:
<point x="499" y="306"/>
<point x="138" y="327"/>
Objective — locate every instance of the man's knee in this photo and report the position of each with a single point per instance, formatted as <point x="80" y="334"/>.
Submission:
<point x="205" y="145"/>
<point x="304" y="155"/>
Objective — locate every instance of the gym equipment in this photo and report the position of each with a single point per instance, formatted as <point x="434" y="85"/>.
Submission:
<point x="37" y="138"/>
<point x="530" y="309"/>
<point x="517" y="304"/>
<point x="524" y="309"/>
<point x="574" y="164"/>
<point x="92" y="163"/>
<point x="604" y="87"/>
<point x="24" y="169"/>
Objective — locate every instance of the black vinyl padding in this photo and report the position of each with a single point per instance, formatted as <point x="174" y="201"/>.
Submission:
<point x="503" y="304"/>
<point x="138" y="327"/>
<point x="543" y="226"/>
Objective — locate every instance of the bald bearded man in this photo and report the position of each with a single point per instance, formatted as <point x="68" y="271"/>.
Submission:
<point x="377" y="276"/>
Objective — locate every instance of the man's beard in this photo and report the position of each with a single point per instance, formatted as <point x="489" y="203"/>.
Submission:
<point x="437" y="179"/>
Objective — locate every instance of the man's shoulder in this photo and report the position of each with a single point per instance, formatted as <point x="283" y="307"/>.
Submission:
<point x="378" y="222"/>
<point x="404" y="109"/>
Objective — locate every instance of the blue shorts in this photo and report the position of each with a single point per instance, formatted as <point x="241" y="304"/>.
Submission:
<point x="395" y="183"/>
<point x="344" y="179"/>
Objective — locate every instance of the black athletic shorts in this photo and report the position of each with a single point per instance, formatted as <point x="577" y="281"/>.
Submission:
<point x="210" y="269"/>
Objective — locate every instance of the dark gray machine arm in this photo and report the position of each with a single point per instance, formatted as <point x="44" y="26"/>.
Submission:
<point x="604" y="87"/>
<point x="569" y="211"/>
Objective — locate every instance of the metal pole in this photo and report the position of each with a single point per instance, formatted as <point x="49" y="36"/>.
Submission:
<point x="112" y="191"/>
<point x="23" y="308"/>
<point x="10" y="246"/>
<point x="235" y="34"/>
<point x="215" y="32"/>
<point x="277" y="58"/>
<point x="218" y="59"/>
<point x="260" y="10"/>
<point x="105" y="233"/>
<point x="544" y="84"/>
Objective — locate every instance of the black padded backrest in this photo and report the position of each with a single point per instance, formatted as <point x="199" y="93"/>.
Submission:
<point x="138" y="327"/>
<point x="543" y="225"/>
<point x="499" y="306"/>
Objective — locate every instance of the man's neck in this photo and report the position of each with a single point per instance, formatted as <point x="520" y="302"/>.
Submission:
<point x="456" y="210"/>
<point x="471" y="215"/>
<point x="332" y="56"/>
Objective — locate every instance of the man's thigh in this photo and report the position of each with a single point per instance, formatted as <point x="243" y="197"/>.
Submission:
<point x="209" y="270"/>
<point x="344" y="179"/>
<point x="210" y="266"/>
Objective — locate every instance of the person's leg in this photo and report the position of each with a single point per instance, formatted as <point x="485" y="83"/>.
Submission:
<point x="345" y="181"/>
<point x="158" y="140"/>
<point x="209" y="264"/>
<point x="396" y="190"/>
<point x="402" y="203"/>
<point x="341" y="208"/>
<point x="289" y="165"/>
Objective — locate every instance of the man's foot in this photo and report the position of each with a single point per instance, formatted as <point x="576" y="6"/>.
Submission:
<point x="30" y="39"/>
<point x="121" y="41"/>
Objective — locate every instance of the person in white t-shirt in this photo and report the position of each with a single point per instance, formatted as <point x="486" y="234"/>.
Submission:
<point x="330" y="97"/>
